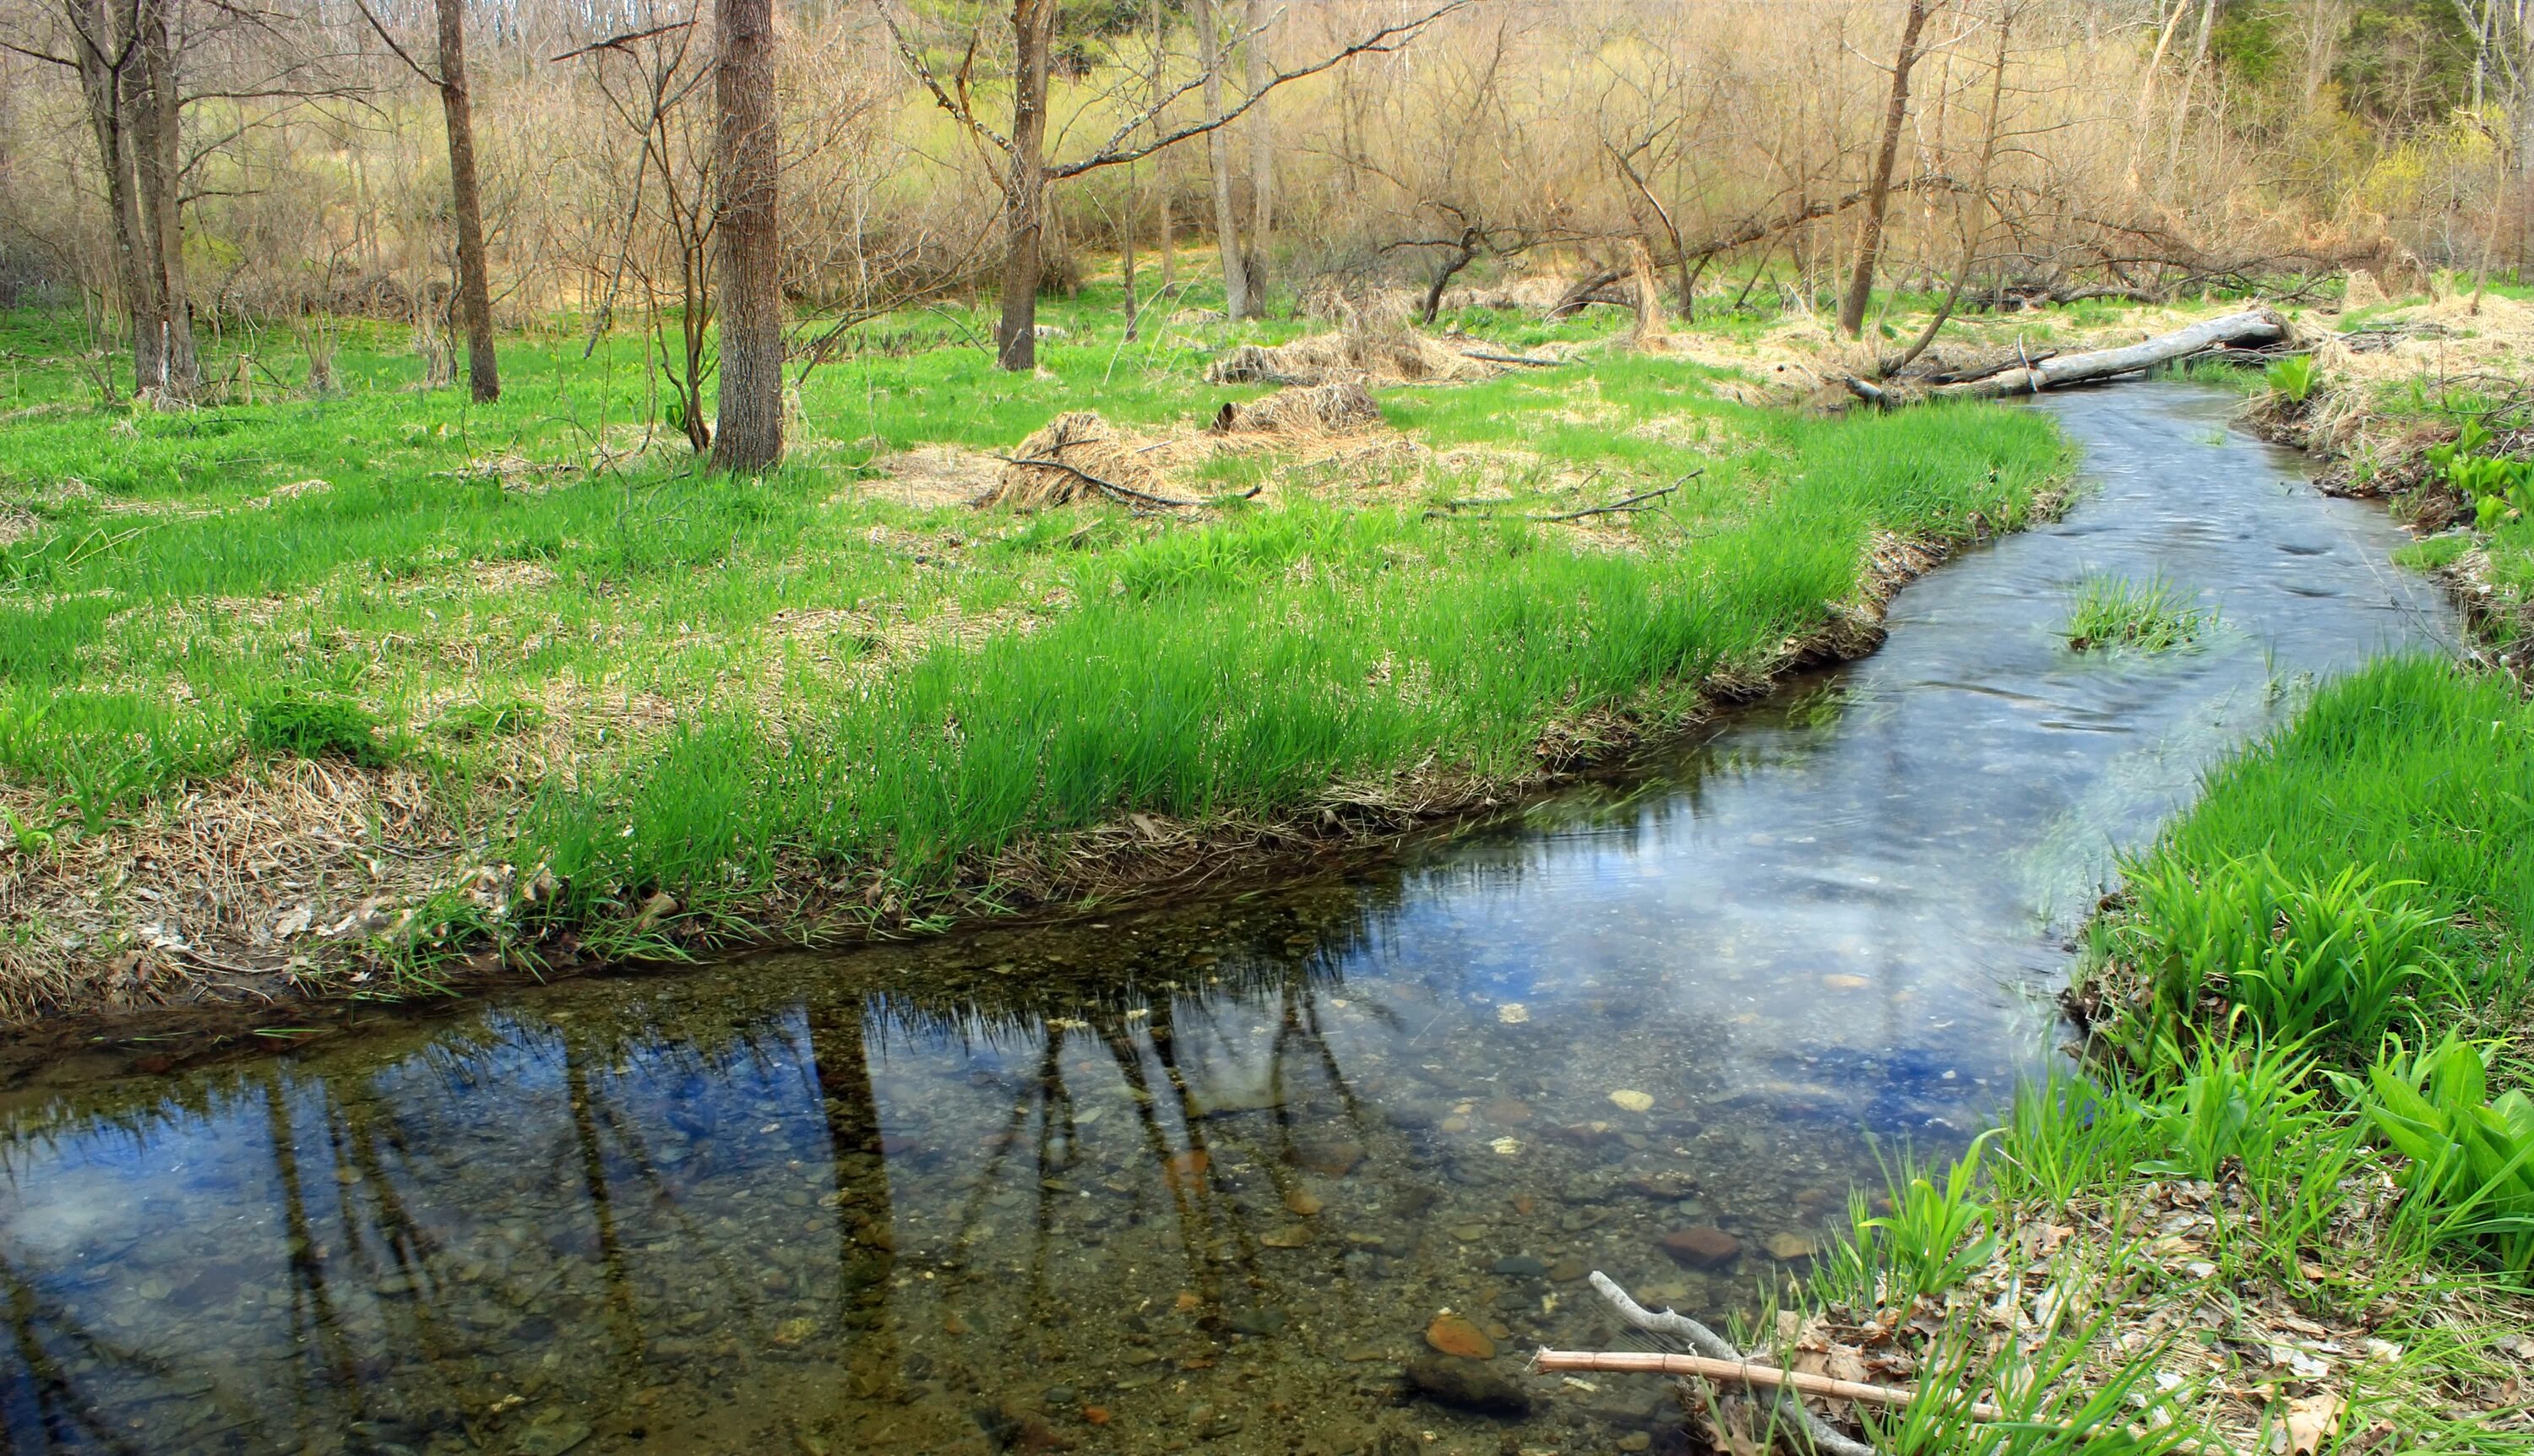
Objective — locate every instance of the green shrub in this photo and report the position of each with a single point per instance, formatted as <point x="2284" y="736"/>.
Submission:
<point x="309" y="726"/>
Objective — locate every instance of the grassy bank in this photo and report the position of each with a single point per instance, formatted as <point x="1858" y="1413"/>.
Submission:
<point x="2423" y="400"/>
<point x="2289" y="1205"/>
<point x="362" y="690"/>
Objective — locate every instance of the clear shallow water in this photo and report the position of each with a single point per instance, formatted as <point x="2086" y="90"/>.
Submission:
<point x="1208" y="1170"/>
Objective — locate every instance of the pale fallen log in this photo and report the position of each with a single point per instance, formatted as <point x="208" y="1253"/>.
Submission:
<point x="1740" y="1372"/>
<point x="2252" y="328"/>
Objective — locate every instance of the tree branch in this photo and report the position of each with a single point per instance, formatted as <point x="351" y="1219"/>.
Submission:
<point x="1388" y="38"/>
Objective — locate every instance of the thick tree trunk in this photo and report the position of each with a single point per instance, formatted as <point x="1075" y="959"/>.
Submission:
<point x="1878" y="188"/>
<point x="1262" y="150"/>
<point x="1218" y="153"/>
<point x="103" y="53"/>
<point x="1025" y="188"/>
<point x="474" y="288"/>
<point x="749" y="285"/>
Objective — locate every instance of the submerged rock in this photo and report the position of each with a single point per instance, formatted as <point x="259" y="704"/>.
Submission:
<point x="1467" y="1386"/>
<point x="1702" y="1247"/>
<point x="1453" y="1335"/>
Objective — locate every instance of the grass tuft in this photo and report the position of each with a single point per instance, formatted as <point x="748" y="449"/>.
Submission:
<point x="2112" y="612"/>
<point x="315" y="727"/>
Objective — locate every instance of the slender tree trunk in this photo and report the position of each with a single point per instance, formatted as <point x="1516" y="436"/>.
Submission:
<point x="474" y="288"/>
<point x="1162" y="160"/>
<point x="1025" y="188"/>
<point x="748" y="429"/>
<point x="1126" y="250"/>
<point x="1878" y="189"/>
<point x="1218" y="153"/>
<point x="153" y="106"/>
<point x="1975" y="225"/>
<point x="1263" y="149"/>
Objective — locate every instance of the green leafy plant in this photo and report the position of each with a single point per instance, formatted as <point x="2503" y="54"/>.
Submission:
<point x="2150" y="616"/>
<point x="2230" y="1100"/>
<point x="1936" y="1234"/>
<point x="2294" y="377"/>
<point x="315" y="727"/>
<point x="31" y="840"/>
<point x="2303" y="957"/>
<point x="2498" y="488"/>
<point x="2471" y="1156"/>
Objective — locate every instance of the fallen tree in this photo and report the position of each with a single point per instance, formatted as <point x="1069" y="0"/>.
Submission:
<point x="2251" y="330"/>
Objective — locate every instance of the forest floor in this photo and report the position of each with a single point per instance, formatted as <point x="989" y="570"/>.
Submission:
<point x="375" y="691"/>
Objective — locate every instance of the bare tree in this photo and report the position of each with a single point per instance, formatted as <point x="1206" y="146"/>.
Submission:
<point x="749" y="286"/>
<point x="1217" y="155"/>
<point x="1878" y="187"/>
<point x="466" y="202"/>
<point x="1262" y="150"/>
<point x="1027" y="172"/>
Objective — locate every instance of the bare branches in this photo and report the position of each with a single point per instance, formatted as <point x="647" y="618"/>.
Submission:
<point x="624" y="42"/>
<point x="1378" y="42"/>
<point x="429" y="77"/>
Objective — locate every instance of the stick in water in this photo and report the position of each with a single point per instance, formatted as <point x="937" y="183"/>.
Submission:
<point x="1741" y="1372"/>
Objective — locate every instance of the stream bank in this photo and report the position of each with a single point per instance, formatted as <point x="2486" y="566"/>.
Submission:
<point x="1219" y="1170"/>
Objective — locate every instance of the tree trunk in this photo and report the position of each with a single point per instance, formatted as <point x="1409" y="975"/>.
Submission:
<point x="1162" y="160"/>
<point x="1218" y="153"/>
<point x="1975" y="225"/>
<point x="474" y="288"/>
<point x="1262" y="150"/>
<point x="748" y="429"/>
<point x="1878" y="189"/>
<point x="103" y="54"/>
<point x="1127" y="252"/>
<point x="1025" y="188"/>
<point x="153" y="107"/>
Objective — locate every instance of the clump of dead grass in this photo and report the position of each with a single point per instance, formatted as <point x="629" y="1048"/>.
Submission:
<point x="1336" y="409"/>
<point x="1374" y="345"/>
<point x="1077" y="455"/>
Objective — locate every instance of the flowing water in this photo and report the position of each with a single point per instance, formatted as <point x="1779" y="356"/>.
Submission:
<point x="1204" y="1173"/>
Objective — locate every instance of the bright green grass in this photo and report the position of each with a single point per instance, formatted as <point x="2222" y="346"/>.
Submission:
<point x="742" y="675"/>
<point x="2114" y="612"/>
<point x="2398" y="805"/>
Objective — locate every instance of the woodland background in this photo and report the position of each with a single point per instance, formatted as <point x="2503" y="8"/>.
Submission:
<point x="2061" y="146"/>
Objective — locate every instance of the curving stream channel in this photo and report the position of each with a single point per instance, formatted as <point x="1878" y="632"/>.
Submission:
<point x="1204" y="1173"/>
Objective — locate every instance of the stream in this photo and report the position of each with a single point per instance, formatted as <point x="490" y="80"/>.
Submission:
<point x="1203" y="1174"/>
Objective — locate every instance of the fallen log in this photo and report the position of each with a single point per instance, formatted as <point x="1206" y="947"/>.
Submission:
<point x="2250" y="330"/>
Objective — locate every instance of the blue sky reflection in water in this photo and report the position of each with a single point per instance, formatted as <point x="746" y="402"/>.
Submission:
<point x="1210" y="1169"/>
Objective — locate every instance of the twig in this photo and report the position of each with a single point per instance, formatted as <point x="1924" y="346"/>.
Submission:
<point x="1122" y="492"/>
<point x="1512" y="359"/>
<point x="1632" y="503"/>
<point x="1740" y="1372"/>
<point x="1705" y="1342"/>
